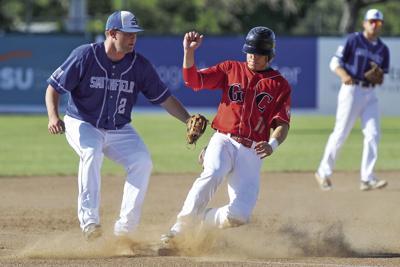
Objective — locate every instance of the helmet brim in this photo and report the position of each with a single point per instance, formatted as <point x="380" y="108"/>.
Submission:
<point x="248" y="49"/>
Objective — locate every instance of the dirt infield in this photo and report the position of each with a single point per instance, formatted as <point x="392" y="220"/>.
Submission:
<point x="294" y="224"/>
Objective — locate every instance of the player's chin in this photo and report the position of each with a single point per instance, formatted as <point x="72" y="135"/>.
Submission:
<point x="129" y="48"/>
<point x="255" y="67"/>
<point x="251" y="66"/>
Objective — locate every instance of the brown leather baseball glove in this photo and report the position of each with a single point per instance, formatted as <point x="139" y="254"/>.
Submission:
<point x="375" y="74"/>
<point x="196" y="125"/>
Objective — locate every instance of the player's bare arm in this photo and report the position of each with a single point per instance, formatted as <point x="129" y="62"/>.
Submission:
<point x="55" y="125"/>
<point x="280" y="132"/>
<point x="344" y="76"/>
<point x="191" y="41"/>
<point x="174" y="107"/>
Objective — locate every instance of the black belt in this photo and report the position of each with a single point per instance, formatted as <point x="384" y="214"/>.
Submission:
<point x="364" y="84"/>
<point x="241" y="140"/>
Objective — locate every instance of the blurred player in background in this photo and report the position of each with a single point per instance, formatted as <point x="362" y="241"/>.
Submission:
<point x="357" y="98"/>
<point x="252" y="120"/>
<point x="103" y="81"/>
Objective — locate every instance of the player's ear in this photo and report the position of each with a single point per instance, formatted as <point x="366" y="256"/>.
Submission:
<point x="112" y="33"/>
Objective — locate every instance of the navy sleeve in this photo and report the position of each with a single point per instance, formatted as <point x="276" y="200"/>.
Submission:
<point x="344" y="51"/>
<point x="65" y="78"/>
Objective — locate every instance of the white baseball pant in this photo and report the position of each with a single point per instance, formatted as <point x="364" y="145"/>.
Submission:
<point x="224" y="157"/>
<point x="125" y="147"/>
<point x="354" y="101"/>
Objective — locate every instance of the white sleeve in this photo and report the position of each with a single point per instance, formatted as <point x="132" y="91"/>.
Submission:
<point x="336" y="59"/>
<point x="334" y="63"/>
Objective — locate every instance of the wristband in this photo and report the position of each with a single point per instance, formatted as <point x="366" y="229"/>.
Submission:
<point x="273" y="143"/>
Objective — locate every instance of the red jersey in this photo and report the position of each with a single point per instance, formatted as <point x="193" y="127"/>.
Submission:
<point x="251" y="101"/>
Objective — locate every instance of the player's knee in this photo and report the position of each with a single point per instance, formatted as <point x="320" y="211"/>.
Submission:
<point x="142" y="163"/>
<point x="89" y="154"/>
<point x="215" y="172"/>
<point x="372" y="136"/>
<point x="340" y="138"/>
<point x="210" y="177"/>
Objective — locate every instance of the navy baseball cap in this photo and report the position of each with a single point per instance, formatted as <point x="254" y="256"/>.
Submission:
<point x="123" y="21"/>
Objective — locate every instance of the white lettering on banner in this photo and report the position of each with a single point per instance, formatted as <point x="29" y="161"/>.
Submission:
<point x="112" y="84"/>
<point x="171" y="76"/>
<point x="290" y="74"/>
<point x="394" y="74"/>
<point x="16" y="78"/>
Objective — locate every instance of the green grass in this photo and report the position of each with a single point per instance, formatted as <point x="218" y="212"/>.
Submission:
<point x="28" y="150"/>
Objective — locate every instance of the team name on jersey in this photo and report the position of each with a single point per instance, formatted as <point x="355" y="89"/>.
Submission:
<point x="365" y="53"/>
<point x="236" y="94"/>
<point x="112" y="84"/>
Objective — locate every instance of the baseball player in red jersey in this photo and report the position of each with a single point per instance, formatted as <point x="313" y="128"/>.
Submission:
<point x="252" y="120"/>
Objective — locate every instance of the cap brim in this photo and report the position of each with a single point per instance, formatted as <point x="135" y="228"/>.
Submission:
<point x="136" y="29"/>
<point x="373" y="19"/>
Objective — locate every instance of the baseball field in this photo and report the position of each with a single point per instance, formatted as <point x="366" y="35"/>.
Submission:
<point x="294" y="222"/>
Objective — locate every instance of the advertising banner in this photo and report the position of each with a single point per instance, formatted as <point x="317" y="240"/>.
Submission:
<point x="27" y="61"/>
<point x="298" y="67"/>
<point x="25" y="64"/>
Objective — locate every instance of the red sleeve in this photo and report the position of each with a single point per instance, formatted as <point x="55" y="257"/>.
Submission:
<point x="209" y="78"/>
<point x="282" y="108"/>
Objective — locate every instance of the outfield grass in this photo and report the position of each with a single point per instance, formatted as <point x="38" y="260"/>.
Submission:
<point x="28" y="150"/>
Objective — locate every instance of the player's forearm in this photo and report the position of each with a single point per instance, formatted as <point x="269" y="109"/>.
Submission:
<point x="342" y="73"/>
<point x="52" y="100"/>
<point x="188" y="58"/>
<point x="280" y="132"/>
<point x="174" y="107"/>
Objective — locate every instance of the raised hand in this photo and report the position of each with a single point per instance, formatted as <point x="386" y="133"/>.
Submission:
<point x="192" y="40"/>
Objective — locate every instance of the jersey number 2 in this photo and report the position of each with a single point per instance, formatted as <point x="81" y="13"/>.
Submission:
<point x="121" y="106"/>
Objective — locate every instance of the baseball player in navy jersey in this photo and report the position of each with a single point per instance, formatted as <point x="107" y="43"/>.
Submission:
<point x="103" y="81"/>
<point x="255" y="99"/>
<point x="357" y="98"/>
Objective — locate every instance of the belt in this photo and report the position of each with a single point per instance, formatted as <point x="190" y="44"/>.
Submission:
<point x="364" y="84"/>
<point x="241" y="140"/>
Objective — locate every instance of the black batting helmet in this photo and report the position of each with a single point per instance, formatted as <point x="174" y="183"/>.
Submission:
<point x="261" y="41"/>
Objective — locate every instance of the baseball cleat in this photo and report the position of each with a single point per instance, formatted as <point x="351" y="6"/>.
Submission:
<point x="373" y="184"/>
<point x="92" y="232"/>
<point x="168" y="245"/>
<point x="324" y="183"/>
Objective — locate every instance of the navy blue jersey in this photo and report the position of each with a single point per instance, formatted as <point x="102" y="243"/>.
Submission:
<point x="103" y="92"/>
<point x="357" y="53"/>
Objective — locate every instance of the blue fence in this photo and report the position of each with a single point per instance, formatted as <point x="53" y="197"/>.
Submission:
<point x="27" y="61"/>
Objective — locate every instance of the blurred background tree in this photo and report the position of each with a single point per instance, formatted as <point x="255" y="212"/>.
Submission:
<point x="287" y="17"/>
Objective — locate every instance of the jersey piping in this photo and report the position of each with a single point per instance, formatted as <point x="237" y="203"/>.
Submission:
<point x="105" y="91"/>
<point x="119" y="88"/>
<point x="59" y="85"/>
<point x="161" y="95"/>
